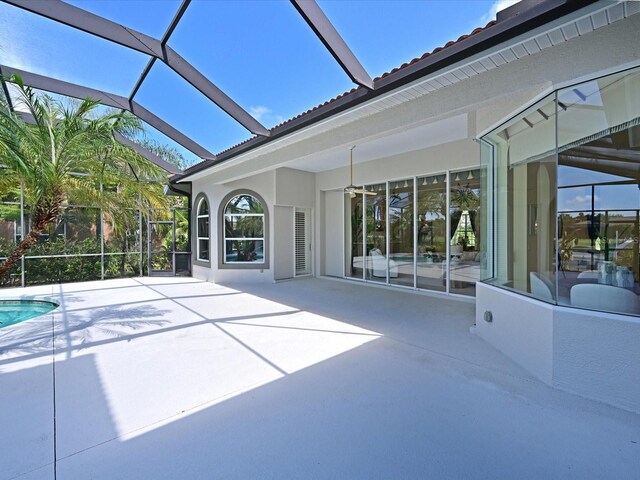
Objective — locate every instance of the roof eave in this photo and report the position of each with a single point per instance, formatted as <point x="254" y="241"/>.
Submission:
<point x="539" y="14"/>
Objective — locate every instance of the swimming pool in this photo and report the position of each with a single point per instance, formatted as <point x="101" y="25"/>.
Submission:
<point x="16" y="311"/>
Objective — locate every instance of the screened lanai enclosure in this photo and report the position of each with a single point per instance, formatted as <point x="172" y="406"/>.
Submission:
<point x="86" y="243"/>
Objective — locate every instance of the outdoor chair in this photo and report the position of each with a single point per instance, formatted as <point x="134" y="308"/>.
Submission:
<point x="605" y="297"/>
<point x="541" y="287"/>
<point x="377" y="264"/>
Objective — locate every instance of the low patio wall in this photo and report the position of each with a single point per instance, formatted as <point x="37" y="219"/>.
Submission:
<point x="593" y="354"/>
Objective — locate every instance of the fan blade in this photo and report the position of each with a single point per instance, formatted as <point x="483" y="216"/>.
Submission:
<point x="366" y="192"/>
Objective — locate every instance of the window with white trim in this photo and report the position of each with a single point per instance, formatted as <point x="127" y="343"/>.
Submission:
<point x="202" y="222"/>
<point x="244" y="227"/>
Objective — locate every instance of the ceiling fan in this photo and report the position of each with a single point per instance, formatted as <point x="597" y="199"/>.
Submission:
<point x="351" y="189"/>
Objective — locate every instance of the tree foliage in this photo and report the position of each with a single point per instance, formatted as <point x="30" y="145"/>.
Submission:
<point x="67" y="153"/>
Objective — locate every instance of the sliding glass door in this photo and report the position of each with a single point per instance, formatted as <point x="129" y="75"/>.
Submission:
<point x="416" y="233"/>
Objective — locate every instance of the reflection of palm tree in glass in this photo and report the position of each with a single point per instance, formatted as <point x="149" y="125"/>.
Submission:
<point x="244" y="222"/>
<point x="247" y="227"/>
<point x="376" y="223"/>
<point x="401" y="221"/>
<point x="244" y="204"/>
<point x="432" y="207"/>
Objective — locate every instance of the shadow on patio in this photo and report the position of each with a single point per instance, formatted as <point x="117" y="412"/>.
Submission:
<point x="294" y="380"/>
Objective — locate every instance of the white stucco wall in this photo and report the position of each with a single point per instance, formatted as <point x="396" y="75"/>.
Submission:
<point x="262" y="184"/>
<point x="295" y="188"/>
<point x="283" y="263"/>
<point x="597" y="355"/>
<point x="459" y="154"/>
<point x="524" y="334"/>
<point x="593" y="354"/>
<point x="332" y="238"/>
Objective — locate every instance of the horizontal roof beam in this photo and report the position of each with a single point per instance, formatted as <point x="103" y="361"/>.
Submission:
<point x="149" y="155"/>
<point x="116" y="101"/>
<point x="329" y="36"/>
<point x="114" y="32"/>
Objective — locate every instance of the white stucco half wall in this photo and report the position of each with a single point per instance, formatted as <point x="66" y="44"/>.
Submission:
<point x="593" y="354"/>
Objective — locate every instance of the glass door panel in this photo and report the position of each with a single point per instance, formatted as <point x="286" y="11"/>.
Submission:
<point x="354" y="229"/>
<point x="464" y="233"/>
<point x="401" y="234"/>
<point x="432" y="232"/>
<point x="376" y="233"/>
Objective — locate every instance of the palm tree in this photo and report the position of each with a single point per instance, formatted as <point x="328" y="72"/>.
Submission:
<point x="68" y="153"/>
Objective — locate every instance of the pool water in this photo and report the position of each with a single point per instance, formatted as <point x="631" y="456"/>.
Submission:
<point x="16" y="311"/>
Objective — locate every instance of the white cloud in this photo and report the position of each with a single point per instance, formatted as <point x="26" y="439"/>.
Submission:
<point x="497" y="6"/>
<point x="265" y="115"/>
<point x="259" y="111"/>
<point x="580" y="202"/>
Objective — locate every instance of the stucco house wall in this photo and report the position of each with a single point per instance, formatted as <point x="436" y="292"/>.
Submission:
<point x="595" y="355"/>
<point x="264" y="185"/>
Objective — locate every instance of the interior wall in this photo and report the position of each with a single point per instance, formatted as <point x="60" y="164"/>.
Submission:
<point x="519" y="227"/>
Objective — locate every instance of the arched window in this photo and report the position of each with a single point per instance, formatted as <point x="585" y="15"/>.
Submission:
<point x="244" y="230"/>
<point x="202" y="230"/>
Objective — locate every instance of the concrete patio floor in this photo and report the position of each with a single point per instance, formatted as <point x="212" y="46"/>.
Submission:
<point x="312" y="379"/>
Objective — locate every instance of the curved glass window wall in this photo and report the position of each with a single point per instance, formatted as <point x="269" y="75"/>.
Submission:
<point x="562" y="221"/>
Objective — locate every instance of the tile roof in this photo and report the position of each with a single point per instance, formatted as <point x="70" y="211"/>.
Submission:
<point x="437" y="49"/>
<point x="384" y="75"/>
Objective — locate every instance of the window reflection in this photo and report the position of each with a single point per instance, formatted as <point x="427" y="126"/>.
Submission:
<point x="354" y="230"/>
<point x="523" y="221"/>
<point x="464" y="233"/>
<point x="244" y="230"/>
<point x="432" y="231"/>
<point x="376" y="232"/>
<point x="401" y="260"/>
<point x="592" y="164"/>
<point x="202" y="230"/>
<point x="598" y="196"/>
<point x="397" y="233"/>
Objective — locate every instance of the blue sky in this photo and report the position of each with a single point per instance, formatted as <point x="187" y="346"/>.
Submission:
<point x="261" y="53"/>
